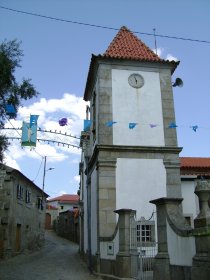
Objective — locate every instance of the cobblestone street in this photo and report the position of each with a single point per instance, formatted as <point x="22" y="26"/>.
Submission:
<point x="57" y="260"/>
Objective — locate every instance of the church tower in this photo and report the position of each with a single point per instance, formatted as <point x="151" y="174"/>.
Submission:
<point x="133" y="154"/>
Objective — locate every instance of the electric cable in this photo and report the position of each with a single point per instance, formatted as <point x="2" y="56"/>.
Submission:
<point x="103" y="27"/>
<point x="38" y="170"/>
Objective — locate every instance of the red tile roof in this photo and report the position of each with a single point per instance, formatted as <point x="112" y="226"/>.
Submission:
<point x="195" y="166"/>
<point x="66" y="198"/>
<point x="125" y="46"/>
<point x="195" y="162"/>
<point x="50" y="207"/>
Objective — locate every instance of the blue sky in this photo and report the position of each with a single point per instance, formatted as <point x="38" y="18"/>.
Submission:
<point x="57" y="56"/>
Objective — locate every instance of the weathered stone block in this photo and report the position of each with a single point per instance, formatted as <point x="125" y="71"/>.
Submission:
<point x="103" y="194"/>
<point x="107" y="204"/>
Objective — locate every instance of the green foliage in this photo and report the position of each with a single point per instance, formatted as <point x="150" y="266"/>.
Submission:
<point x="11" y="92"/>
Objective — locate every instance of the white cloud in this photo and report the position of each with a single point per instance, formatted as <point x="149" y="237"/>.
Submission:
<point x="76" y="160"/>
<point x="160" y="53"/>
<point x="170" y="57"/>
<point x="77" y="178"/>
<point x="69" y="103"/>
<point x="50" y="111"/>
<point x="11" y="162"/>
<point x="62" y="192"/>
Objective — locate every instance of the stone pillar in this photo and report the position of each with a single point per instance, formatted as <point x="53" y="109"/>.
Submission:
<point x="173" y="181"/>
<point x="161" y="262"/>
<point x="106" y="197"/>
<point x="124" y="259"/>
<point x="201" y="261"/>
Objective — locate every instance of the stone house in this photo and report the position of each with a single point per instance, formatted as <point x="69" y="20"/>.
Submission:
<point x="22" y="212"/>
<point x="64" y="202"/>
<point x="130" y="154"/>
<point x="57" y="205"/>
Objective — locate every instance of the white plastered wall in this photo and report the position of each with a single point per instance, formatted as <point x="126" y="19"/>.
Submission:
<point x="181" y="249"/>
<point x="85" y="214"/>
<point x="190" y="200"/>
<point x="94" y="212"/>
<point x="142" y="106"/>
<point x="137" y="182"/>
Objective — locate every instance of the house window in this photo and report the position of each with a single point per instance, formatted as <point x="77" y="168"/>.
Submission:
<point x="61" y="207"/>
<point x="40" y="203"/>
<point x="189" y="220"/>
<point x="145" y="232"/>
<point x="28" y="197"/>
<point x="19" y="192"/>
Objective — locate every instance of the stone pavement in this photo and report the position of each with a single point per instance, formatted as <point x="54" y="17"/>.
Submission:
<point x="57" y="260"/>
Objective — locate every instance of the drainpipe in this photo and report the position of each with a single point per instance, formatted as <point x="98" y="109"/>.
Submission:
<point x="88" y="216"/>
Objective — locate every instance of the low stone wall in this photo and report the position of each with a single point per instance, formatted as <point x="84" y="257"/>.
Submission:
<point x="68" y="225"/>
<point x="177" y="239"/>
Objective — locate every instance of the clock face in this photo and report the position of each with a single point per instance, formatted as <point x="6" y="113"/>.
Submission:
<point x="136" y="80"/>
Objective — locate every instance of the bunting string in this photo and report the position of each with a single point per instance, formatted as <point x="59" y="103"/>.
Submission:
<point x="133" y="125"/>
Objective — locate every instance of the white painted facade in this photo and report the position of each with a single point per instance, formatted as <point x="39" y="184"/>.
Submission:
<point x="85" y="213"/>
<point x="137" y="182"/>
<point x="62" y="206"/>
<point x="142" y="106"/>
<point x="190" y="203"/>
<point x="181" y="249"/>
<point x="94" y="231"/>
<point x="105" y="252"/>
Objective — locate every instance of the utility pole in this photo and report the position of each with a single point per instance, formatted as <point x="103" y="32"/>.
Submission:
<point x="45" y="159"/>
<point x="45" y="170"/>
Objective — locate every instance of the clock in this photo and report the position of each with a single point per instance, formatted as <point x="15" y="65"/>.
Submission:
<point x="136" y="80"/>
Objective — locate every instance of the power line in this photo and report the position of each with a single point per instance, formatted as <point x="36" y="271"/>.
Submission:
<point x="38" y="170"/>
<point x="103" y="27"/>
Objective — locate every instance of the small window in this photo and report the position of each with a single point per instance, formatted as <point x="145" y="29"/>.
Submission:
<point x="189" y="220"/>
<point x="61" y="207"/>
<point x="40" y="203"/>
<point x="19" y="192"/>
<point x="145" y="232"/>
<point x="28" y="197"/>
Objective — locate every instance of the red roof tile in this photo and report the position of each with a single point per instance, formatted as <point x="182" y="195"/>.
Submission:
<point x="66" y="198"/>
<point x="195" y="166"/>
<point x="187" y="162"/>
<point x="50" y="207"/>
<point x="126" y="45"/>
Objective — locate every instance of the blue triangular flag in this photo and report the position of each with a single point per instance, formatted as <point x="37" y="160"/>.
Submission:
<point x="172" y="125"/>
<point x="110" y="123"/>
<point x="132" y="125"/>
<point x="194" y="127"/>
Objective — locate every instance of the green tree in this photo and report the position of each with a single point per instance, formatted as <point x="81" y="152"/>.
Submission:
<point x="11" y="92"/>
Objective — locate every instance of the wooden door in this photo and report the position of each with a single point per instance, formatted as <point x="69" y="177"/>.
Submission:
<point x="48" y="221"/>
<point x="18" y="238"/>
<point x="1" y="249"/>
